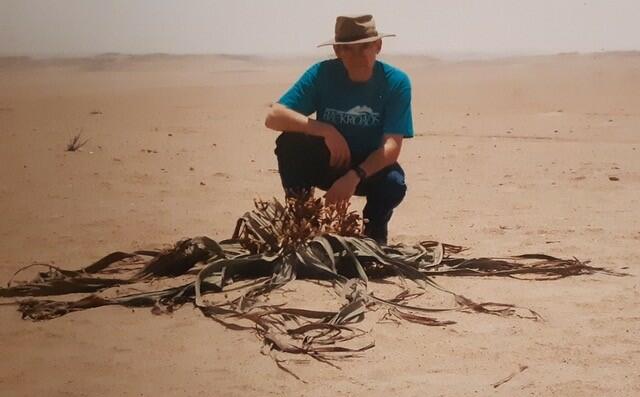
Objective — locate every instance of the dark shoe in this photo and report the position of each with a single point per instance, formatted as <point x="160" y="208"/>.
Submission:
<point x="379" y="234"/>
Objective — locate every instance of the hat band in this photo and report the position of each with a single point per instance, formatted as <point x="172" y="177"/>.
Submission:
<point x="363" y="35"/>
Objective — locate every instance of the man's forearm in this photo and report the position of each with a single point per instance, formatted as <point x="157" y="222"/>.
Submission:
<point x="281" y="118"/>
<point x="385" y="156"/>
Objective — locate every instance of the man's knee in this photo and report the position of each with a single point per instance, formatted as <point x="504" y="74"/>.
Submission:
<point x="392" y="188"/>
<point x="297" y="142"/>
<point x="397" y="187"/>
<point x="303" y="160"/>
<point x="287" y="143"/>
<point x="295" y="149"/>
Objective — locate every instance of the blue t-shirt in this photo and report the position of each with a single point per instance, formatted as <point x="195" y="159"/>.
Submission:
<point x="362" y="112"/>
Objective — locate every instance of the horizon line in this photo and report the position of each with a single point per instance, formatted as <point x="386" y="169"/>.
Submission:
<point x="440" y="55"/>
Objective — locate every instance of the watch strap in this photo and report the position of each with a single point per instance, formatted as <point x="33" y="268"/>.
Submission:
<point x="360" y="172"/>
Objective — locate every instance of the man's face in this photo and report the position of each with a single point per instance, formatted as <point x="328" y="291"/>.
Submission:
<point x="359" y="59"/>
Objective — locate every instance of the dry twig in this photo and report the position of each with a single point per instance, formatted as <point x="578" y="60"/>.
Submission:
<point x="76" y="143"/>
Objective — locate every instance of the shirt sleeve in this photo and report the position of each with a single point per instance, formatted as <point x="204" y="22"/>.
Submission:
<point x="398" y="118"/>
<point x="301" y="97"/>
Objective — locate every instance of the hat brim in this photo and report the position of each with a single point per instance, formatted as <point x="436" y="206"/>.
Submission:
<point x="365" y="40"/>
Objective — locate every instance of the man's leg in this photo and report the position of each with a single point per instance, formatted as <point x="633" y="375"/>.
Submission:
<point x="384" y="191"/>
<point x="303" y="162"/>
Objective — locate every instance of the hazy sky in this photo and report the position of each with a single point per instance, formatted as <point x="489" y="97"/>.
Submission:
<point x="73" y="27"/>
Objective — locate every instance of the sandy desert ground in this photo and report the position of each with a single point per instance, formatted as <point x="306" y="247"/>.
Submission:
<point x="518" y="155"/>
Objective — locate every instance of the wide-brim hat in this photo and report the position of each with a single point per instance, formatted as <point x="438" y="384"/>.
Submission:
<point x="355" y="29"/>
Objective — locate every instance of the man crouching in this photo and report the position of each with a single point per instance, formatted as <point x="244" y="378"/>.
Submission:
<point x="363" y="112"/>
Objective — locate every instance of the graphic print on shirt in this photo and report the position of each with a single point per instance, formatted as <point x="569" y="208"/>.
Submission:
<point x="361" y="116"/>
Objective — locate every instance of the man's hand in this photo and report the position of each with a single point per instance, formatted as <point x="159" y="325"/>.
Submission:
<point x="343" y="188"/>
<point x="340" y="155"/>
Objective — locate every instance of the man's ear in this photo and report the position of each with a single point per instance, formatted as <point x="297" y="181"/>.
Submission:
<point x="379" y="45"/>
<point x="336" y="50"/>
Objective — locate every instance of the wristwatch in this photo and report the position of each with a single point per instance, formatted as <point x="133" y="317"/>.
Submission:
<point x="360" y="172"/>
